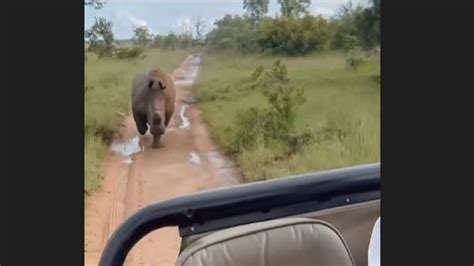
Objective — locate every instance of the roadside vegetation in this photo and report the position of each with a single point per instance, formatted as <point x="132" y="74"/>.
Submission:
<point x="295" y="93"/>
<point x="326" y="115"/>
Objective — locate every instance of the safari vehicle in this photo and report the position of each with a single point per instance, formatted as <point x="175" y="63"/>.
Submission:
<point x="325" y="218"/>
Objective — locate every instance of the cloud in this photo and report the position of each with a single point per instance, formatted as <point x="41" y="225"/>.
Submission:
<point x="137" y="21"/>
<point x="325" y="12"/>
<point x="183" y="24"/>
<point x="130" y="18"/>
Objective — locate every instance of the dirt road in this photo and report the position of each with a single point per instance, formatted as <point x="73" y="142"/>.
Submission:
<point x="136" y="175"/>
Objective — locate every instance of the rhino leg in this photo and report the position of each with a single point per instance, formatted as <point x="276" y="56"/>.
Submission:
<point x="167" y="119"/>
<point x="140" y="121"/>
<point x="156" y="142"/>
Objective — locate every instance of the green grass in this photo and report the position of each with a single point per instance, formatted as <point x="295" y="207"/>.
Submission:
<point x="342" y="109"/>
<point x="107" y="99"/>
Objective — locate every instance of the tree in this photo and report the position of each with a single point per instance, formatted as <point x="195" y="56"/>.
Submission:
<point x="170" y="41"/>
<point x="97" y="4"/>
<point x="294" y="36"/>
<point x="296" y="8"/>
<point x="356" y="26"/>
<point x="158" y="41"/>
<point x="200" y="26"/>
<point x="345" y="34"/>
<point x="142" y="37"/>
<point x="234" y="32"/>
<point x="101" y="37"/>
<point x="256" y="8"/>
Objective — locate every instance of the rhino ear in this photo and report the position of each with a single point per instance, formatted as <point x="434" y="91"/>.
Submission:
<point x="162" y="86"/>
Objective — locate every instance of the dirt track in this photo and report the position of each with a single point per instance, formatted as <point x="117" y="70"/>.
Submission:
<point x="136" y="175"/>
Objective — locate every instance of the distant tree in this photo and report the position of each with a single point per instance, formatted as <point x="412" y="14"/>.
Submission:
<point x="256" y="8"/>
<point x="376" y="7"/>
<point x="200" y="27"/>
<point x="294" y="36"/>
<point x="97" y="4"/>
<point x="368" y="23"/>
<point x="295" y="8"/>
<point x="170" y="41"/>
<point x="101" y="37"/>
<point x="142" y="37"/>
<point x="234" y="32"/>
<point x="345" y="33"/>
<point x="355" y="26"/>
<point x="158" y="41"/>
<point x="346" y="10"/>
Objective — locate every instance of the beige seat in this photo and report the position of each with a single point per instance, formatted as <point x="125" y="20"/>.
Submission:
<point x="289" y="241"/>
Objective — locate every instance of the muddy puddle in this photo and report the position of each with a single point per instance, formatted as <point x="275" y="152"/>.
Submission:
<point x="194" y="158"/>
<point x="187" y="79"/>
<point x="127" y="148"/>
<point x="185" y="123"/>
<point x="225" y="169"/>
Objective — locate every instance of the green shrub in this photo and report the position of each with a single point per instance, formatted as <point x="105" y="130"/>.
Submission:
<point x="294" y="36"/>
<point x="236" y="33"/>
<point x="339" y="125"/>
<point x="257" y="73"/>
<point x="275" y="122"/>
<point x="346" y="42"/>
<point x="128" y="53"/>
<point x="376" y="77"/>
<point x="282" y="96"/>
<point x="356" y="58"/>
<point x="296" y="142"/>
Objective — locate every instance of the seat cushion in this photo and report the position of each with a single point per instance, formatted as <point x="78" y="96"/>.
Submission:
<point x="289" y="241"/>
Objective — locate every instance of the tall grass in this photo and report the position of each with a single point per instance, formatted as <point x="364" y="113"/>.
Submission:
<point x="342" y="109"/>
<point x="107" y="100"/>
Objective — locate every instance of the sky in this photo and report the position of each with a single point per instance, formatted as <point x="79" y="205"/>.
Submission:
<point x="164" y="16"/>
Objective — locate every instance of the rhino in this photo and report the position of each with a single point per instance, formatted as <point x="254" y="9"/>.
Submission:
<point x="153" y="103"/>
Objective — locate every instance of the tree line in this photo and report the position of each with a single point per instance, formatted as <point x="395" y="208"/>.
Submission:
<point x="294" y="32"/>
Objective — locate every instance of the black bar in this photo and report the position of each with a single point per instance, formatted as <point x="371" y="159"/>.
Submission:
<point x="262" y="199"/>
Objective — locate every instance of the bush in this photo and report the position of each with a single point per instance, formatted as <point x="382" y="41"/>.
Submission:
<point x="294" y="36"/>
<point x="345" y="41"/>
<point x="355" y="59"/>
<point x="257" y="73"/>
<point x="236" y="33"/>
<point x="376" y="77"/>
<point x="275" y="122"/>
<point x="296" y="142"/>
<point x="281" y="94"/>
<point x="128" y="53"/>
<point x="252" y="128"/>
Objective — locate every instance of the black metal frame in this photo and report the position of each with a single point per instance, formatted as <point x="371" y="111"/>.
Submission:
<point x="243" y="204"/>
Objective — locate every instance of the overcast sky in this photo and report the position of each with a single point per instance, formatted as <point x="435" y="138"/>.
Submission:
<point x="163" y="16"/>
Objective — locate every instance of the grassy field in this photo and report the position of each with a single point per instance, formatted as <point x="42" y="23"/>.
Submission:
<point x="107" y="100"/>
<point x="342" y="109"/>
